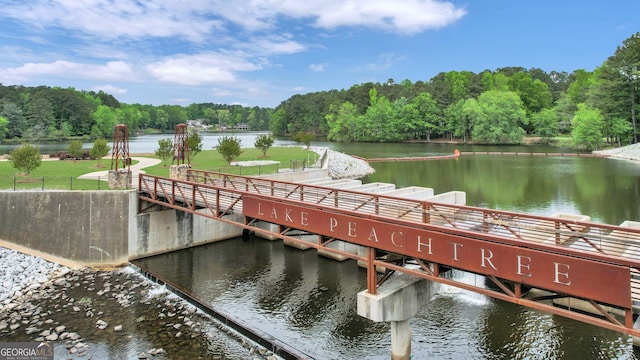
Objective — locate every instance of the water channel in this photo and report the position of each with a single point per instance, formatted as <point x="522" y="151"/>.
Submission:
<point x="309" y="302"/>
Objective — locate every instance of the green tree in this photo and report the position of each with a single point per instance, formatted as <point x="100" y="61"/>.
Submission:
<point x="99" y="150"/>
<point x="625" y="62"/>
<point x="194" y="144"/>
<point x="264" y="142"/>
<point x="341" y="120"/>
<point x="4" y="127"/>
<point x="578" y="89"/>
<point x="229" y="148"/>
<point x="587" y="127"/>
<point x="545" y="124"/>
<point x="535" y="94"/>
<point x="39" y="117"/>
<point x="165" y="150"/>
<point x="620" y="130"/>
<point x="304" y="137"/>
<point x="616" y="90"/>
<point x="422" y="117"/>
<point x="76" y="150"/>
<point x="224" y="117"/>
<point x="380" y="122"/>
<point x="457" y="122"/>
<point x="17" y="123"/>
<point x="278" y="123"/>
<point x="105" y="121"/>
<point x="25" y="158"/>
<point x="459" y="85"/>
<point x="497" y="117"/>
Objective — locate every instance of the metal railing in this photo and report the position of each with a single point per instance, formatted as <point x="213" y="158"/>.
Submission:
<point x="293" y="165"/>
<point x="42" y="183"/>
<point x="594" y="240"/>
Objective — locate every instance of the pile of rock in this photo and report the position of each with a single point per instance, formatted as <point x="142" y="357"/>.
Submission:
<point x="79" y="308"/>
<point x="343" y="166"/>
<point x="22" y="274"/>
<point x="629" y="152"/>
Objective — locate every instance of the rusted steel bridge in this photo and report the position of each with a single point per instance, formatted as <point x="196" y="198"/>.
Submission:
<point x="530" y="260"/>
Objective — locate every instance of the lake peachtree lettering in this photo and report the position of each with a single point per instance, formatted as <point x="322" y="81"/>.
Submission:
<point x="519" y="263"/>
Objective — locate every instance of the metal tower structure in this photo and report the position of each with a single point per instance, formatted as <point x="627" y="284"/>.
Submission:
<point x="120" y="154"/>
<point x="181" y="146"/>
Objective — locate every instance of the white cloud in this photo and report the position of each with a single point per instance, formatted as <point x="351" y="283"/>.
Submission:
<point x="384" y="62"/>
<point x="112" y="19"/>
<point x="109" y="89"/>
<point x="402" y="16"/>
<point x="111" y="71"/>
<point x="200" y="68"/>
<point x="202" y="21"/>
<point x="272" y="45"/>
<point x="318" y="67"/>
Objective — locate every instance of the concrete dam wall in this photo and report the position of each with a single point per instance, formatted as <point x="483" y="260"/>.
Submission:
<point x="99" y="228"/>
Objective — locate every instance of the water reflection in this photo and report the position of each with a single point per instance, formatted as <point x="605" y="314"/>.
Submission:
<point x="310" y="301"/>
<point x="605" y="189"/>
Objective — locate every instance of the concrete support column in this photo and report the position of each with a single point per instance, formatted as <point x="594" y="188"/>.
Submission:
<point x="397" y="301"/>
<point x="179" y="172"/>
<point x="634" y="339"/>
<point x="400" y="340"/>
<point x="120" y="179"/>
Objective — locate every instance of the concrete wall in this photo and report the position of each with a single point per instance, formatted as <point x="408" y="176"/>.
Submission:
<point x="170" y="230"/>
<point x="90" y="227"/>
<point x="100" y="228"/>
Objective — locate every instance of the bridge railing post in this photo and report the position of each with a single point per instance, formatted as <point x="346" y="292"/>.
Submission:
<point x="371" y="271"/>
<point x="426" y="216"/>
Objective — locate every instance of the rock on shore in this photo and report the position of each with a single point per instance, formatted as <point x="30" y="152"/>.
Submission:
<point x="88" y="313"/>
<point x="629" y="152"/>
<point x="21" y="273"/>
<point x="343" y="166"/>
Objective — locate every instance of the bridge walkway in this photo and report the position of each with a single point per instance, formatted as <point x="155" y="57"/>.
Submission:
<point x="217" y="195"/>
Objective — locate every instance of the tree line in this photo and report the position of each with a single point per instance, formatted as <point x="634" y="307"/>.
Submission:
<point x="496" y="107"/>
<point x="54" y="113"/>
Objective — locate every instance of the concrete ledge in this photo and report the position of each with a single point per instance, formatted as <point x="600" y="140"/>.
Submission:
<point x="398" y="299"/>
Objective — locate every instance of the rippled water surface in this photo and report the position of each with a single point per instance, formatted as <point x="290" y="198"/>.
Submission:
<point x="309" y="302"/>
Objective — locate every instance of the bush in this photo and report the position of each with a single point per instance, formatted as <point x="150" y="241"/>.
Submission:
<point x="63" y="155"/>
<point x="26" y="158"/>
<point x="99" y="150"/>
<point x="264" y="142"/>
<point x="229" y="148"/>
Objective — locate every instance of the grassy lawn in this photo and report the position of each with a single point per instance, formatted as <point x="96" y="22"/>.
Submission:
<point x="63" y="174"/>
<point x="57" y="174"/>
<point x="211" y="160"/>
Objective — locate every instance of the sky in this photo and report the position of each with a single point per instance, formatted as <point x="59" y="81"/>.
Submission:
<point x="261" y="52"/>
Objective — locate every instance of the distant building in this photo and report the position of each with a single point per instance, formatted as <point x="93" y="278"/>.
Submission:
<point x="195" y="124"/>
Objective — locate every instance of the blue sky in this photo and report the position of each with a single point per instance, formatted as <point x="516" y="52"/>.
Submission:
<point x="261" y="52"/>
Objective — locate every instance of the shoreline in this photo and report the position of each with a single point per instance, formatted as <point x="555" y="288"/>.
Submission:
<point x="629" y="152"/>
<point x="97" y="313"/>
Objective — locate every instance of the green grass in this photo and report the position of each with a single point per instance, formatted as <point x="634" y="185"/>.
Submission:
<point x="54" y="174"/>
<point x="63" y="174"/>
<point x="211" y="160"/>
